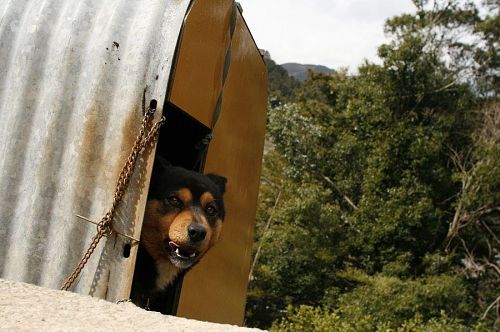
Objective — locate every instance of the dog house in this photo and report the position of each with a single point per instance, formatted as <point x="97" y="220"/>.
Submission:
<point x="74" y="76"/>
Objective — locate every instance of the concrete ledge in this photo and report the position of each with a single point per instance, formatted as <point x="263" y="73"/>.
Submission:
<point x="25" y="307"/>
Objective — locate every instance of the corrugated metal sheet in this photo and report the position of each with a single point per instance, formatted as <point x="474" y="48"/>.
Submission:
<point x="72" y="76"/>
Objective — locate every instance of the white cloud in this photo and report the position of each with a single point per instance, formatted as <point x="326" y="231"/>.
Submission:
<point x="334" y="33"/>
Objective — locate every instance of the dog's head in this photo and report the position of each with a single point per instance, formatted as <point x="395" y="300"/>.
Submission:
<point x="184" y="214"/>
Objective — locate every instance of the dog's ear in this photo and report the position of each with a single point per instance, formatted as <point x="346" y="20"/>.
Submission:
<point x="220" y="181"/>
<point x="160" y="165"/>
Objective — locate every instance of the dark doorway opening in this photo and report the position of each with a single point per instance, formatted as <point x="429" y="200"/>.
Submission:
<point x="180" y="138"/>
<point x="178" y="143"/>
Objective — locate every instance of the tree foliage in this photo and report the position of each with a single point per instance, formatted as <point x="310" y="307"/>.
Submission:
<point x="379" y="207"/>
<point x="307" y="318"/>
<point x="281" y="86"/>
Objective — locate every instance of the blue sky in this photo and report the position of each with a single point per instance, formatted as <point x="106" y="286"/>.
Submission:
<point x="334" y="33"/>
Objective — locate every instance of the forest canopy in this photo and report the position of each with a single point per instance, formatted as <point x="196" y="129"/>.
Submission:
<point x="380" y="204"/>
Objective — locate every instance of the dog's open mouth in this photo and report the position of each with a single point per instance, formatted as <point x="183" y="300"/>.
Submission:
<point x="184" y="253"/>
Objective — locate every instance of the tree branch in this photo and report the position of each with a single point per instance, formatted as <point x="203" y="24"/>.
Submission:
<point x="489" y="230"/>
<point x="264" y="233"/>
<point x="347" y="199"/>
<point x="489" y="308"/>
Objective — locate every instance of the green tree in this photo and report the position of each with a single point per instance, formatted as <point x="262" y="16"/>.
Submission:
<point x="282" y="87"/>
<point x="378" y="200"/>
<point x="307" y="318"/>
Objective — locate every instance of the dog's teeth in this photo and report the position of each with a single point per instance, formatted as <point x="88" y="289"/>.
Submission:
<point x="178" y="253"/>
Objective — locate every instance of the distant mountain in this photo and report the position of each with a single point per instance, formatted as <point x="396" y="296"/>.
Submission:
<point x="299" y="71"/>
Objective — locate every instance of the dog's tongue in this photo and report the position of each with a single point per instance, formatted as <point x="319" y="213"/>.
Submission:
<point x="173" y="245"/>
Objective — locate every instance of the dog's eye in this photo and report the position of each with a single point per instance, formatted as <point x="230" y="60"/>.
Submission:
<point x="174" y="201"/>
<point x="211" y="210"/>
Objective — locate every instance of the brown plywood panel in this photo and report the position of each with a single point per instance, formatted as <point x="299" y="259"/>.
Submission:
<point x="215" y="289"/>
<point x="197" y="78"/>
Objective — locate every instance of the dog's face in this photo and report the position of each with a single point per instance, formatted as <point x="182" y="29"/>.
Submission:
<point x="184" y="215"/>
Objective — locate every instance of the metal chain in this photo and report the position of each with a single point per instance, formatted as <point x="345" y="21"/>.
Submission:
<point x="146" y="137"/>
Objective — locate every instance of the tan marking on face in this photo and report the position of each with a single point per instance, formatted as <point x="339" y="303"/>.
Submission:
<point x="154" y="227"/>
<point x="178" y="229"/>
<point x="185" y="195"/>
<point x="158" y="227"/>
<point x="206" y="199"/>
<point x="216" y="232"/>
<point x="205" y="244"/>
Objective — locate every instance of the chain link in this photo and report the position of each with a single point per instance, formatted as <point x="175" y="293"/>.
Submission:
<point x="147" y="137"/>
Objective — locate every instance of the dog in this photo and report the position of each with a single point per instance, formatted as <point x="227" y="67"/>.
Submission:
<point x="182" y="221"/>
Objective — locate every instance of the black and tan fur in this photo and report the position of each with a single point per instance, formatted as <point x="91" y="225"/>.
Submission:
<point x="182" y="221"/>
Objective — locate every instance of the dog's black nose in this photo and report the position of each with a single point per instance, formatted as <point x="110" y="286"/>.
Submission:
<point x="196" y="232"/>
